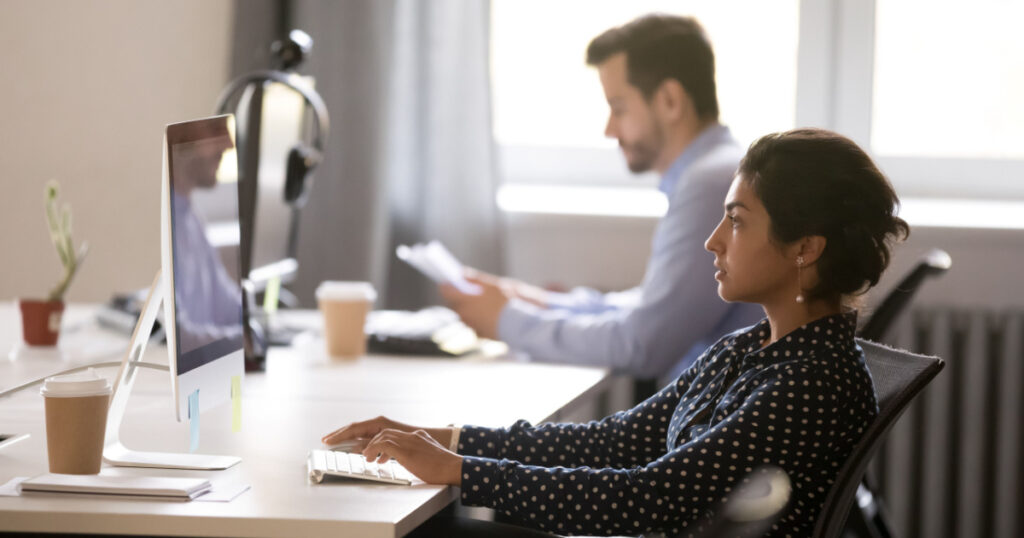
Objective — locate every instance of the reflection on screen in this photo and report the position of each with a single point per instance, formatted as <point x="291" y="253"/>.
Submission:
<point x="208" y="300"/>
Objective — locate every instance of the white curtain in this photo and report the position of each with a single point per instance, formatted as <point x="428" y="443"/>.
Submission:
<point x="411" y="155"/>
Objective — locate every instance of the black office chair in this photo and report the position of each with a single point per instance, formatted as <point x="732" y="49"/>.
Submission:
<point x="934" y="263"/>
<point x="868" y="519"/>
<point x="898" y="377"/>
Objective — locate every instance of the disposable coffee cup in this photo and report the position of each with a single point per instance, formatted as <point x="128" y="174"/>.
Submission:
<point x="76" y="421"/>
<point x="344" y="306"/>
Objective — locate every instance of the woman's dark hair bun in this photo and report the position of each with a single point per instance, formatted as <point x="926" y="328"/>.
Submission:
<point x="817" y="182"/>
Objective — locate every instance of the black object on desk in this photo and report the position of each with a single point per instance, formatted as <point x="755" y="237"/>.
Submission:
<point x="432" y="331"/>
<point x="122" y="312"/>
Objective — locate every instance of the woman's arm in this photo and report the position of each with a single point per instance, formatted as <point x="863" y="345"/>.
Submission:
<point x="626" y="439"/>
<point x="686" y="483"/>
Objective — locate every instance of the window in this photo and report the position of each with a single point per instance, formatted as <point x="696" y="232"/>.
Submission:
<point x="930" y="88"/>
<point x="946" y="83"/>
<point x="549" y="109"/>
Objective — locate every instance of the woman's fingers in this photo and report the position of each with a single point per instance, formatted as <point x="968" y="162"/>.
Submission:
<point x="352" y="431"/>
<point x="390" y="442"/>
<point x="383" y="448"/>
<point x="335" y="435"/>
<point x="418" y="452"/>
<point x="389" y="451"/>
<point x="357" y="430"/>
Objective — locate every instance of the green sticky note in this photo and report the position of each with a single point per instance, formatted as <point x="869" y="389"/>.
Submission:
<point x="271" y="294"/>
<point x="236" y="403"/>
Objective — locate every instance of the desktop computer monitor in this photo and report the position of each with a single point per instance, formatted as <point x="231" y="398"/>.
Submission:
<point x="198" y="284"/>
<point x="200" y="237"/>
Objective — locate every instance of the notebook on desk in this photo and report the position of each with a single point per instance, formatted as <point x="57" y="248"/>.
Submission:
<point x="119" y="487"/>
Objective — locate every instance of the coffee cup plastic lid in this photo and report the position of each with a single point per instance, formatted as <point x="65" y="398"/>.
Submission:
<point x="75" y="385"/>
<point x="346" y="291"/>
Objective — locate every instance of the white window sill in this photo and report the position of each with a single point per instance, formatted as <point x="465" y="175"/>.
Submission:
<point x="650" y="203"/>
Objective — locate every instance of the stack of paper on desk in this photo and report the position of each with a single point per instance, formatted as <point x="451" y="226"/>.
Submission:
<point x="433" y="260"/>
<point x="140" y="487"/>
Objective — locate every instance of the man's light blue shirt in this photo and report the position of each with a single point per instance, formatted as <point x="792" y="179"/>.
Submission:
<point x="659" y="328"/>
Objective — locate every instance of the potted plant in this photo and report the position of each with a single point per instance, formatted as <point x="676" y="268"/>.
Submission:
<point x="40" y="320"/>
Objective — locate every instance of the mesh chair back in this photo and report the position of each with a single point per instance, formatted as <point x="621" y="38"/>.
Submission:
<point x="898" y="377"/>
<point x="933" y="263"/>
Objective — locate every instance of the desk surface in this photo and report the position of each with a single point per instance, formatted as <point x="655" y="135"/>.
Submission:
<point x="285" y="410"/>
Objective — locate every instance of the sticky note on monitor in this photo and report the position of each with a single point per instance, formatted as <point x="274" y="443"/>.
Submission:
<point x="236" y="403"/>
<point x="193" y="420"/>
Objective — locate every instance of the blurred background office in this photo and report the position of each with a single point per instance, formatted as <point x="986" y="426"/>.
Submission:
<point x="477" y="123"/>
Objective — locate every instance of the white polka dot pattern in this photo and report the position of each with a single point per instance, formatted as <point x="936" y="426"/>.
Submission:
<point x="800" y="403"/>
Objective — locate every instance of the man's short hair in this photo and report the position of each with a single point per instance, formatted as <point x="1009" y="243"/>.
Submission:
<point x="660" y="47"/>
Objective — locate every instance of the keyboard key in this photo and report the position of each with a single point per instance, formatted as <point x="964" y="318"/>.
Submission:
<point x="358" y="464"/>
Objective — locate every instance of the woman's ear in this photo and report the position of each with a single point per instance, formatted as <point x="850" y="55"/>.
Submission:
<point x="810" y="248"/>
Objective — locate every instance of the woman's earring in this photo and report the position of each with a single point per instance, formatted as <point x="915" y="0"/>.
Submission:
<point x="799" y="278"/>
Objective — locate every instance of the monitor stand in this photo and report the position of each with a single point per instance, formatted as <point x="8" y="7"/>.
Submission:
<point x="114" y="452"/>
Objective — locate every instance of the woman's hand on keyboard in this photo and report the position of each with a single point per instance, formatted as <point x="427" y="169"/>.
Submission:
<point x="419" y="452"/>
<point x="368" y="429"/>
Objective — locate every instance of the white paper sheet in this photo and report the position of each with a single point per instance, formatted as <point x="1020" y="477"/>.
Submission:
<point x="437" y="263"/>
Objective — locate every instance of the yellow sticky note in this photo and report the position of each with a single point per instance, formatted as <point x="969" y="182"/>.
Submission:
<point x="271" y="294"/>
<point x="236" y="403"/>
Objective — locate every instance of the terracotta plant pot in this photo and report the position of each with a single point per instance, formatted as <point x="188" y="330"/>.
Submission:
<point x="40" y="321"/>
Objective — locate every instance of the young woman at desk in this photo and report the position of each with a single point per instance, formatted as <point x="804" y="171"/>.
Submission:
<point x="808" y="225"/>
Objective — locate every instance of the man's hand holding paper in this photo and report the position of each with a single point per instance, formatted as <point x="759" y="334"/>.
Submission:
<point x="480" y="311"/>
<point x="434" y="260"/>
<point x="477" y="297"/>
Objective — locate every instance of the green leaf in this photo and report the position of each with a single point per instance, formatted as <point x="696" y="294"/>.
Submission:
<point x="59" y="222"/>
<point x="52" y="189"/>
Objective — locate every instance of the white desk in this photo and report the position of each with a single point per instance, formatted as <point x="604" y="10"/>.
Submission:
<point x="284" y="412"/>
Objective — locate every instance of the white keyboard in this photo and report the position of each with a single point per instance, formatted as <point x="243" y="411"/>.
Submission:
<point x="323" y="463"/>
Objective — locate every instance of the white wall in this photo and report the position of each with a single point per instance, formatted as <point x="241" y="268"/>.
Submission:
<point x="87" y="89"/>
<point x="609" y="253"/>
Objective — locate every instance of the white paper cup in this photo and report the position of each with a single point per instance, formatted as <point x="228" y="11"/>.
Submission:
<point x="76" y="421"/>
<point x="344" y="306"/>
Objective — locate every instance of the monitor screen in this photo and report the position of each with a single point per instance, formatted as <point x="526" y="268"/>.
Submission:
<point x="203" y="179"/>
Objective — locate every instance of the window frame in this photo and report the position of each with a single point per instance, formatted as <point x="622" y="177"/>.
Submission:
<point x="835" y="90"/>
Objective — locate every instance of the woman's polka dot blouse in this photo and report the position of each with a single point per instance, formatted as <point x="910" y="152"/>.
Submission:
<point x="801" y="403"/>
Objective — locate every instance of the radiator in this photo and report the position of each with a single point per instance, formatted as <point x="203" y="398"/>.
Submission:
<point x="952" y="466"/>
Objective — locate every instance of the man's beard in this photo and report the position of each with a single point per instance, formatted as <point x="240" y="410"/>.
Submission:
<point x="642" y="154"/>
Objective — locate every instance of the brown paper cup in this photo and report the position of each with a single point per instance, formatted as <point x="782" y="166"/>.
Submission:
<point x="343" y="327"/>
<point x="344" y="306"/>
<point x="74" y="433"/>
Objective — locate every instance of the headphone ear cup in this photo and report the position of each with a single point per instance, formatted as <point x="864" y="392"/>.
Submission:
<point x="302" y="159"/>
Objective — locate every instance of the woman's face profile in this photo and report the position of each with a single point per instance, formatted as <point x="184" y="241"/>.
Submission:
<point x="751" y="268"/>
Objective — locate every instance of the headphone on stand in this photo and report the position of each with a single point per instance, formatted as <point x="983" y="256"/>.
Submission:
<point x="244" y="97"/>
<point x="303" y="158"/>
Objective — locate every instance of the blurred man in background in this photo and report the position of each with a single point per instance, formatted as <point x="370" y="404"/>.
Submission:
<point x="658" y="76"/>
